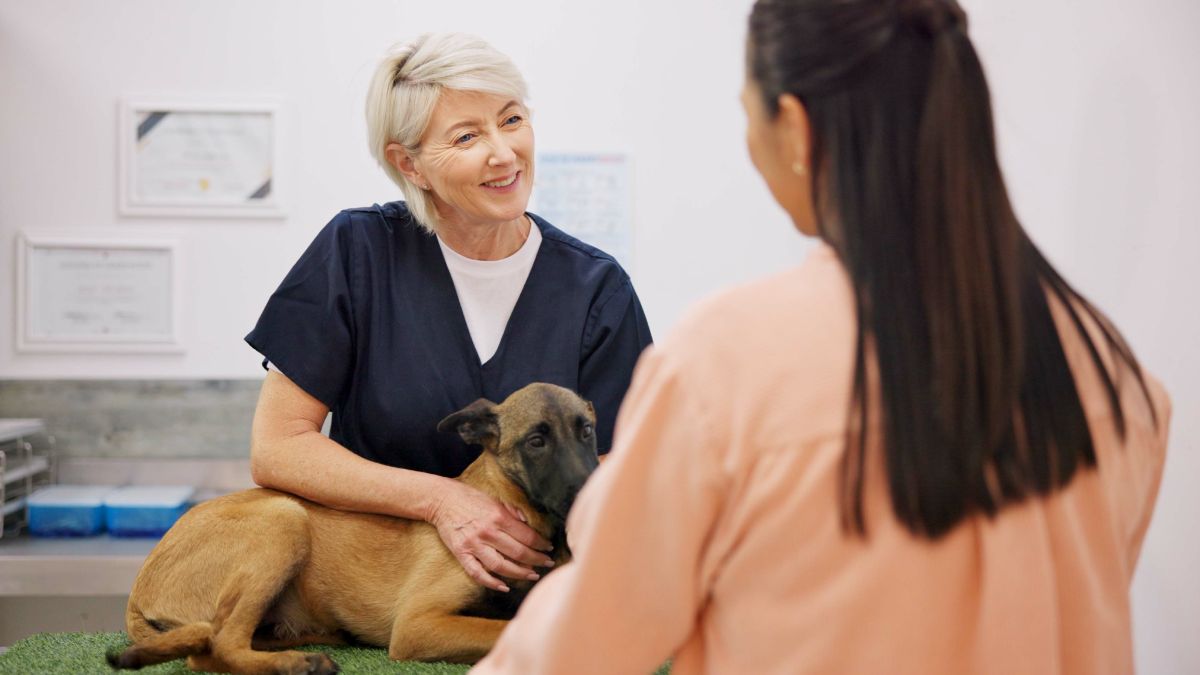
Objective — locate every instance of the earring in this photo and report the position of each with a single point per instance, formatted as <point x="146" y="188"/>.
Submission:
<point x="799" y="169"/>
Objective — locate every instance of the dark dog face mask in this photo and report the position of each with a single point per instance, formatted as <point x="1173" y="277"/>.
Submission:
<point x="546" y="443"/>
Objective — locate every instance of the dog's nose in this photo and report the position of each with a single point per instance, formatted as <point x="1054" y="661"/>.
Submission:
<point x="568" y="503"/>
<point x="590" y="459"/>
<point x="579" y="482"/>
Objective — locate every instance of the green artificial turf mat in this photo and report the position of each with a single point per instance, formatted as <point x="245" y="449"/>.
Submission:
<point x="83" y="654"/>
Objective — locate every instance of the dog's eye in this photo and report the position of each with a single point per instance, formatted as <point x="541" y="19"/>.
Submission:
<point x="586" y="432"/>
<point x="536" y="442"/>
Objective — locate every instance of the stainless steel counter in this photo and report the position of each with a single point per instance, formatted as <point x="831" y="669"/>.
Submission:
<point x="104" y="565"/>
<point x="100" y="565"/>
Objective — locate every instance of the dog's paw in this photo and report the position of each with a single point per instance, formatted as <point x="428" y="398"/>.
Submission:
<point x="321" y="664"/>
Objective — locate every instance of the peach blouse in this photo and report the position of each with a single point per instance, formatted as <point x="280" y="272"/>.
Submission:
<point x="712" y="536"/>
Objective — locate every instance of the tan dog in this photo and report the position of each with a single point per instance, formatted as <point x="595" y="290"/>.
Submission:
<point x="261" y="569"/>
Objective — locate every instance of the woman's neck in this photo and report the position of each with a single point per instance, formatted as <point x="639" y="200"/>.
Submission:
<point x="485" y="242"/>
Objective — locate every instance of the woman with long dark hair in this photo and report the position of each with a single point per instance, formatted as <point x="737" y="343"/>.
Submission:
<point x="920" y="451"/>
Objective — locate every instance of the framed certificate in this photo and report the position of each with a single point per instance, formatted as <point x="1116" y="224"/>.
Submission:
<point x="205" y="159"/>
<point x="96" y="295"/>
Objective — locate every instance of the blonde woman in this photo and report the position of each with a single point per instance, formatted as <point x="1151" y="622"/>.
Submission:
<point x="400" y="314"/>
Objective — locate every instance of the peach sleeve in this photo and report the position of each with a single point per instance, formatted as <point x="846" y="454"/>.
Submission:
<point x="1162" y="406"/>
<point x="638" y="533"/>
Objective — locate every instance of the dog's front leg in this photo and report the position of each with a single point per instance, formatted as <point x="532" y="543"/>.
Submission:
<point x="431" y="636"/>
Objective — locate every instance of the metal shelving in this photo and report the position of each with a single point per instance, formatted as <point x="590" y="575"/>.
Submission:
<point x="26" y="463"/>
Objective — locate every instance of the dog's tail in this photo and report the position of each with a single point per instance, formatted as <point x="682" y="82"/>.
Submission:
<point x="155" y="642"/>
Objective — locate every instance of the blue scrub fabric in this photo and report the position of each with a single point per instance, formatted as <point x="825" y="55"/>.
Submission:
<point x="368" y="322"/>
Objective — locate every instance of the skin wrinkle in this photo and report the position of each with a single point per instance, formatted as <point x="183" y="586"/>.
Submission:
<point x="474" y="138"/>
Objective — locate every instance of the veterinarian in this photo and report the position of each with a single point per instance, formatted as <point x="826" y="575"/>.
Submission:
<point x="921" y="451"/>
<point x="398" y="315"/>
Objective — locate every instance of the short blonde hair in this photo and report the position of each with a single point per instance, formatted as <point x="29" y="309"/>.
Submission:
<point x="405" y="90"/>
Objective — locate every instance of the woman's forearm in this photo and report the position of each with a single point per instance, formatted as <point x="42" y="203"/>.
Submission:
<point x="288" y="452"/>
<point x="317" y="468"/>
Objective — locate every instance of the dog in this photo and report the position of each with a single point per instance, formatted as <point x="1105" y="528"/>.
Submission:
<point x="262" y="570"/>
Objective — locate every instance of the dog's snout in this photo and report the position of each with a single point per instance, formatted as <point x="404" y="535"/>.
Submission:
<point x="582" y="471"/>
<point x="568" y="500"/>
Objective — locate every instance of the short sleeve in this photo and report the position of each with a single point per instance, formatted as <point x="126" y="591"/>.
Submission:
<point x="614" y="337"/>
<point x="307" y="328"/>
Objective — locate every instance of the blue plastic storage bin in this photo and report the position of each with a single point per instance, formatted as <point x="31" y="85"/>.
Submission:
<point x="67" y="510"/>
<point x="145" y="510"/>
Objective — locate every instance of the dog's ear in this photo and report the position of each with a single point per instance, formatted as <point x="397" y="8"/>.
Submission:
<point x="476" y="423"/>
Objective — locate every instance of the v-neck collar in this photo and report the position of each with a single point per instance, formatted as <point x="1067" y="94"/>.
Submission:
<point x="462" y="333"/>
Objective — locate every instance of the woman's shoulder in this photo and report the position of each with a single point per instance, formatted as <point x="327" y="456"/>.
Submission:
<point x="578" y="252"/>
<point x="782" y="342"/>
<point x="389" y="218"/>
<point x="814" y="297"/>
<point x="367" y="231"/>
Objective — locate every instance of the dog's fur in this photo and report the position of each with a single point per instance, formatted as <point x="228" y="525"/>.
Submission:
<point x="259" y="569"/>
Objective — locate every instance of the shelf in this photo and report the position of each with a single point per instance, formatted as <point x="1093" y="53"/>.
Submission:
<point x="17" y="427"/>
<point x="12" y="506"/>
<point x="19" y="470"/>
<point x="100" y="565"/>
<point x="25" y="464"/>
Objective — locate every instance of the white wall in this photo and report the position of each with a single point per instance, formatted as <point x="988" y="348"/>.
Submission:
<point x="702" y="217"/>
<point x="1095" y="106"/>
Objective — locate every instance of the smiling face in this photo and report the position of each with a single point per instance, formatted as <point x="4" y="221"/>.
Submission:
<point x="476" y="158"/>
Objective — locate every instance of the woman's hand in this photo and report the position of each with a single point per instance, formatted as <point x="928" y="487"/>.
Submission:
<point x="488" y="536"/>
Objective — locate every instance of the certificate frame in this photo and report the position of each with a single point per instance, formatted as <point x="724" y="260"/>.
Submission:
<point x="160" y="176"/>
<point x="155" y="260"/>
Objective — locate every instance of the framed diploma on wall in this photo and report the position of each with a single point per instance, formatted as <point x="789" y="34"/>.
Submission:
<point x="84" y="295"/>
<point x="198" y="159"/>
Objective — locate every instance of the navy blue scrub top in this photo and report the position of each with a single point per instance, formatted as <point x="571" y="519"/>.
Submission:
<point x="368" y="322"/>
